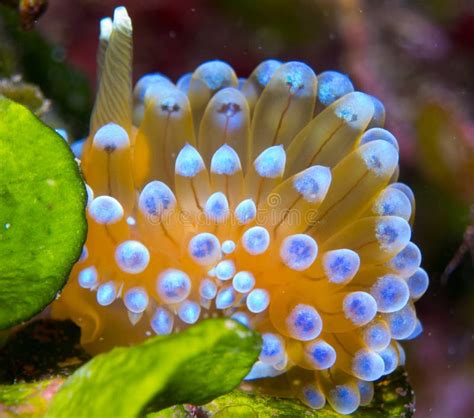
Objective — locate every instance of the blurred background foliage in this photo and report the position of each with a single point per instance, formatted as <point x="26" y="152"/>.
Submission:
<point x="416" y="56"/>
<point x="29" y="56"/>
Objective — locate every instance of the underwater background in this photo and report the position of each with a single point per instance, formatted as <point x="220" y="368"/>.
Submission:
<point x="415" y="56"/>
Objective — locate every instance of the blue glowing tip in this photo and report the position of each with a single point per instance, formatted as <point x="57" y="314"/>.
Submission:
<point x="271" y="162"/>
<point x="313" y="183"/>
<point x="77" y="147"/>
<point x="105" y="210"/>
<point x="304" y="323"/>
<point x="273" y="348"/>
<point x="162" y="321"/>
<point x="405" y="190"/>
<point x="312" y="396"/>
<point x="376" y="335"/>
<point x="366" y="390"/>
<point x="189" y="162"/>
<point x="256" y="240"/>
<point x="261" y="370"/>
<point x="351" y="105"/>
<point x="84" y="254"/>
<point x="407" y="261"/>
<point x="332" y="85"/>
<point x="265" y="71"/>
<point x="390" y="292"/>
<point x="225" y="298"/>
<point x="258" y="300"/>
<point x="378" y="119"/>
<point x="344" y="399"/>
<point x="380" y="157"/>
<point x="359" y="307"/>
<point x="418" y="283"/>
<point x="298" y="251"/>
<point x="225" y="270"/>
<point x="416" y="332"/>
<point x="205" y="249"/>
<point x="242" y="318"/>
<point x="184" y="81"/>
<point x="392" y="202"/>
<point x="111" y="137"/>
<point x="402" y="323"/>
<point x="106" y="293"/>
<point x="189" y="312"/>
<point x="376" y="134"/>
<point x="215" y="74"/>
<point x="217" y="207"/>
<point x="392" y="232"/>
<point x="225" y="161"/>
<point x="207" y="289"/>
<point x="340" y="266"/>
<point x="367" y="365"/>
<point x="88" y="278"/>
<point x="173" y="286"/>
<point x="136" y="299"/>
<point x="245" y="211"/>
<point x="132" y="257"/>
<point x="62" y="133"/>
<point x="147" y="81"/>
<point x="298" y="77"/>
<point x="228" y="246"/>
<point x="156" y="198"/>
<point x="390" y="359"/>
<point x="320" y="355"/>
<point x="243" y="282"/>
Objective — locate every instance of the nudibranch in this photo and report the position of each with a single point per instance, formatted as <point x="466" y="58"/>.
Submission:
<point x="272" y="200"/>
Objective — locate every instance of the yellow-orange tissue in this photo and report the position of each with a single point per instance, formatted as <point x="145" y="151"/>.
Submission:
<point x="272" y="200"/>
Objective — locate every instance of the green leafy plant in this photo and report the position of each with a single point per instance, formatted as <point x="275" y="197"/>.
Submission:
<point x="195" y="366"/>
<point x="42" y="221"/>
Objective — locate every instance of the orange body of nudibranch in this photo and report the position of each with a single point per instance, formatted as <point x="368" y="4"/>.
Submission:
<point x="272" y="200"/>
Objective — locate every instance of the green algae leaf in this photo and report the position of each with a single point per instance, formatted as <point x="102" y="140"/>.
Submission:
<point x="42" y="219"/>
<point x="194" y="366"/>
<point x="393" y="398"/>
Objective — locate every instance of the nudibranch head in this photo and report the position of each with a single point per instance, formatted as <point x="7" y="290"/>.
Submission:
<point x="272" y="200"/>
